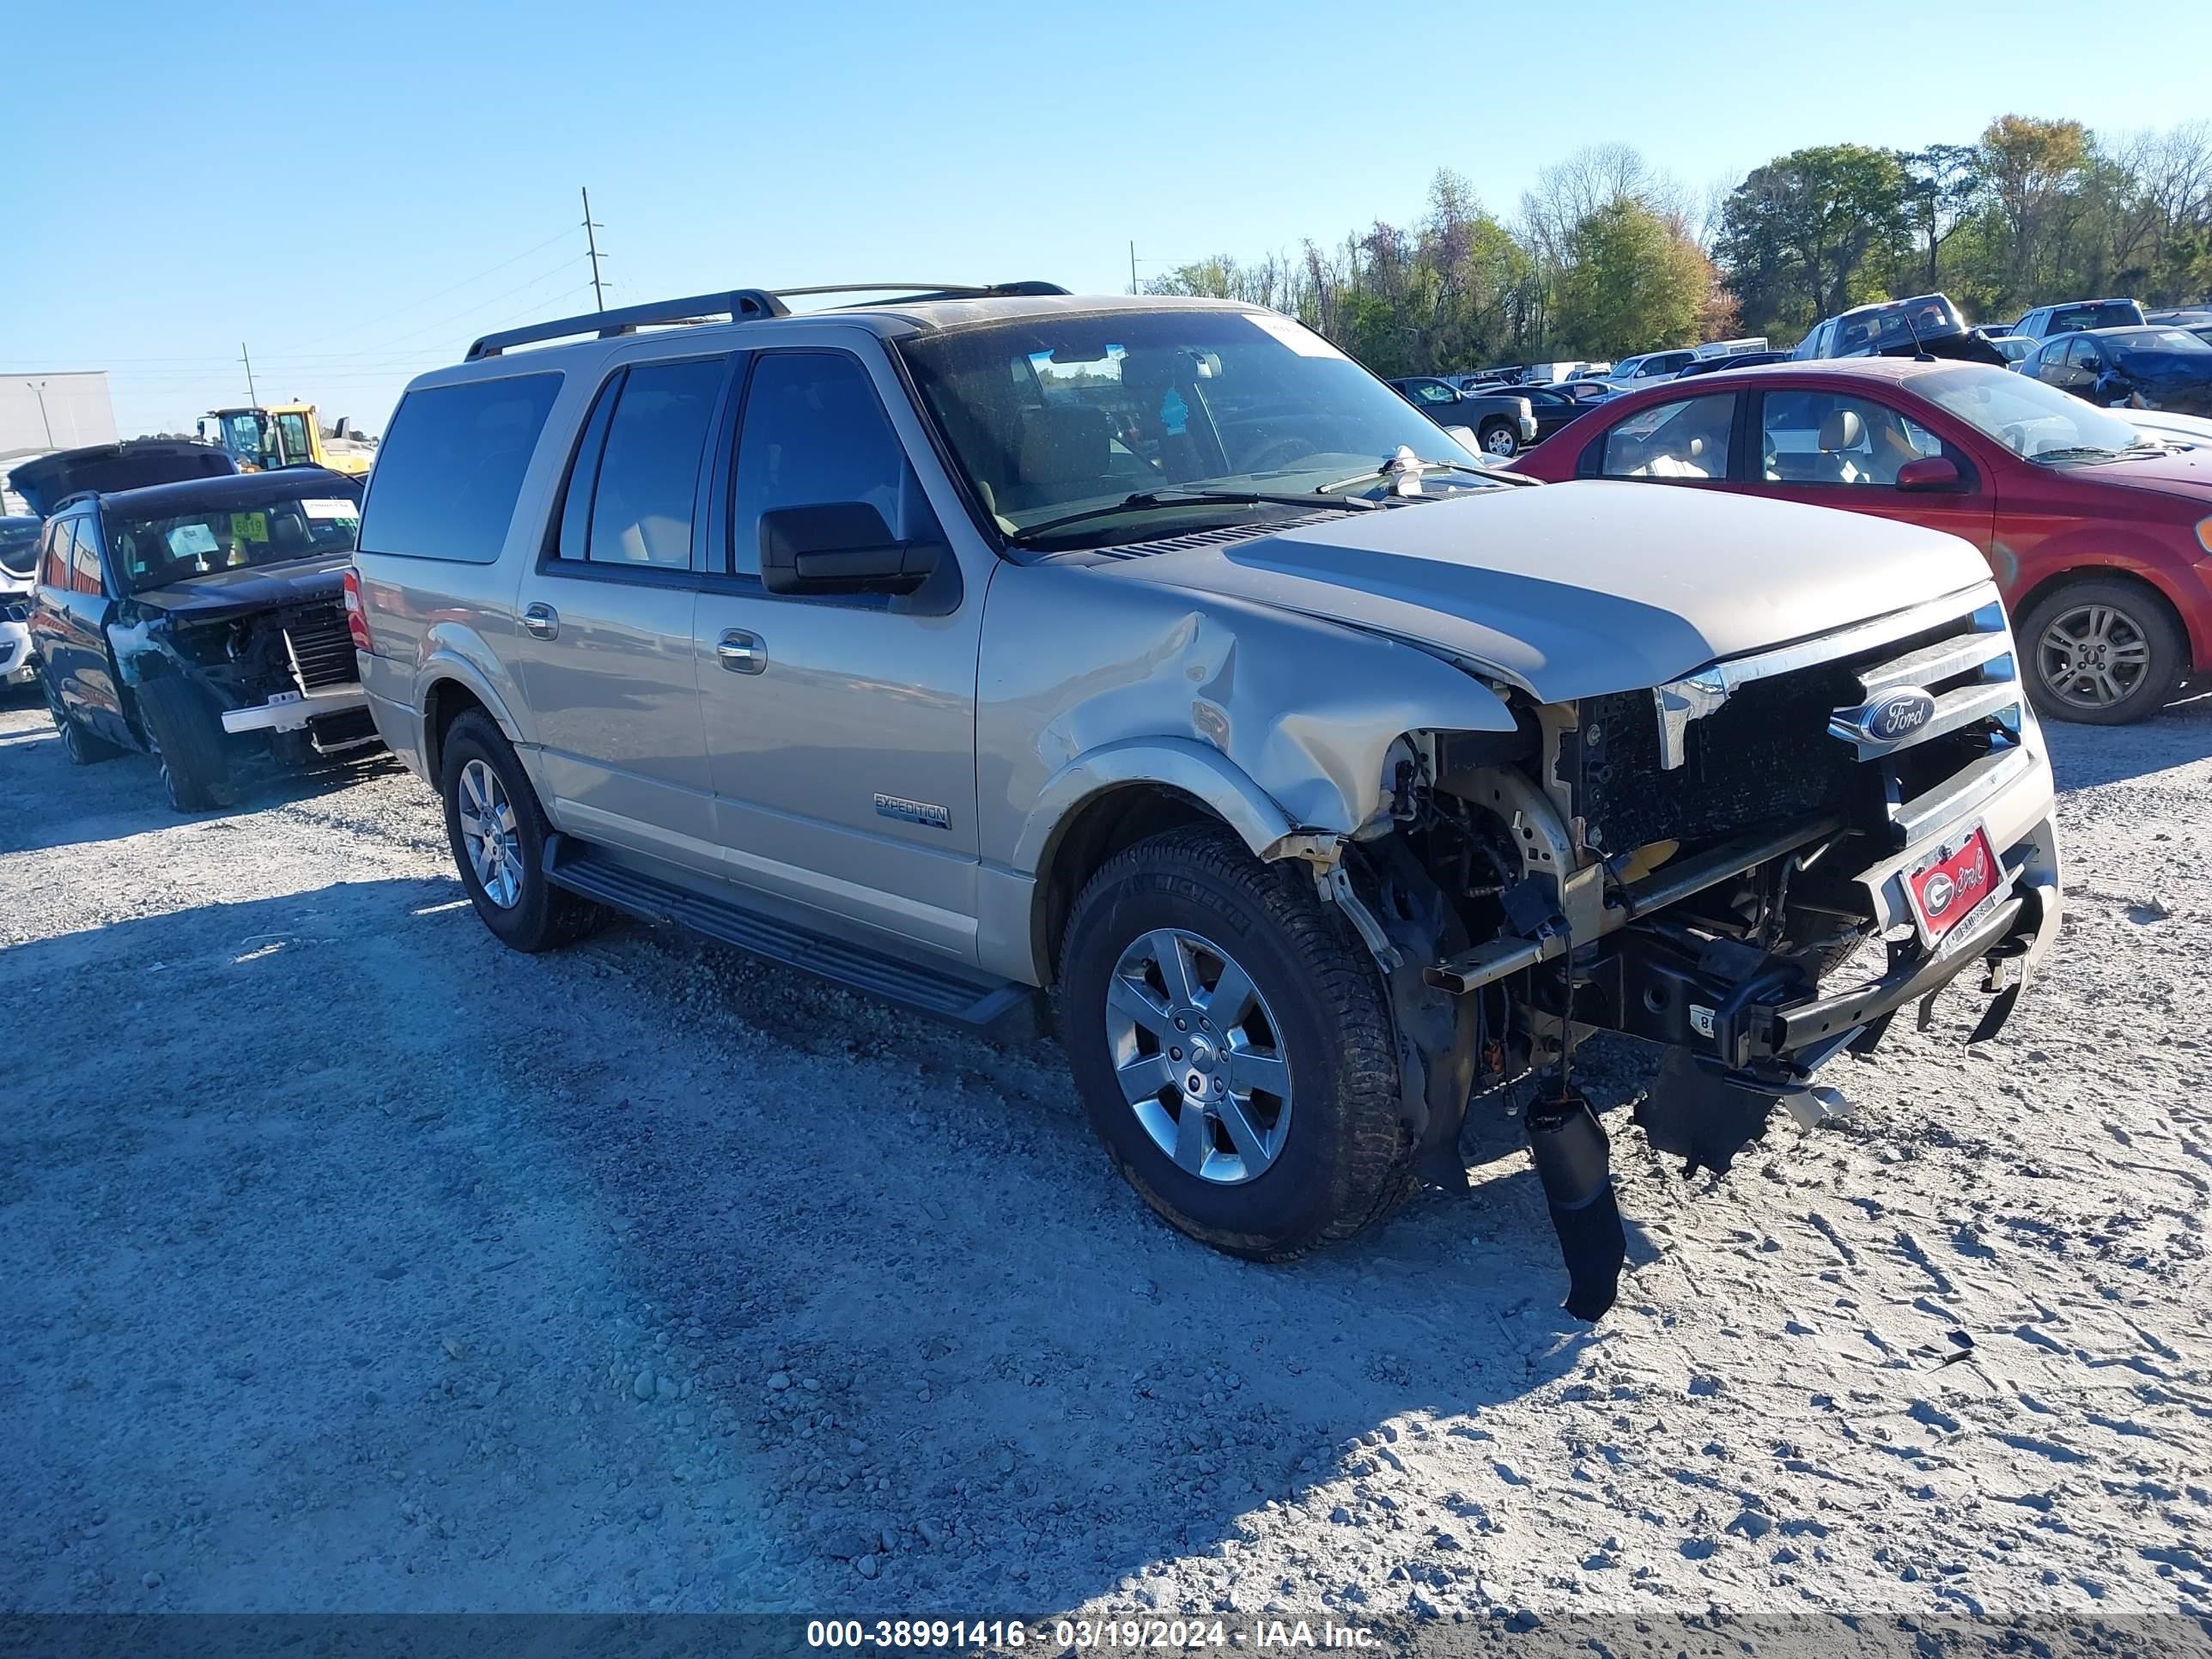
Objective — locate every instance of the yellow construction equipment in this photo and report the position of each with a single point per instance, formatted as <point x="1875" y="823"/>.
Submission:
<point x="261" y="437"/>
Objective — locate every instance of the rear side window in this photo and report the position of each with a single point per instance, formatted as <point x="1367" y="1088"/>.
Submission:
<point x="54" y="557"/>
<point x="1684" y="440"/>
<point x="450" y="470"/>
<point x="632" y="495"/>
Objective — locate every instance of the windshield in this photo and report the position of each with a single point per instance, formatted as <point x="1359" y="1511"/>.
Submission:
<point x="1052" y="414"/>
<point x="268" y="527"/>
<point x="2152" y="345"/>
<point x="2027" y="416"/>
<point x="2105" y="314"/>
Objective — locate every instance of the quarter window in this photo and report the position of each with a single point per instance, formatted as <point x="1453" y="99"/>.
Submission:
<point x="813" y="433"/>
<point x="1684" y="440"/>
<point x="449" y="471"/>
<point x="638" y="494"/>
<point x="1834" y="438"/>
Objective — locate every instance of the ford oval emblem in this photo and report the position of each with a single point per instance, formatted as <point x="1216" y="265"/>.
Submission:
<point x="1896" y="717"/>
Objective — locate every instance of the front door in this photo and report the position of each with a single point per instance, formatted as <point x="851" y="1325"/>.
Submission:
<point x="607" y="615"/>
<point x="841" y="733"/>
<point x="1843" y="449"/>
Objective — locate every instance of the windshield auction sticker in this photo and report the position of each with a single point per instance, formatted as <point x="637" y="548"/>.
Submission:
<point x="1294" y="335"/>
<point x="335" y="507"/>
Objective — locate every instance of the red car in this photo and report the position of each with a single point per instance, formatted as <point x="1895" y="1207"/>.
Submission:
<point x="2099" y="530"/>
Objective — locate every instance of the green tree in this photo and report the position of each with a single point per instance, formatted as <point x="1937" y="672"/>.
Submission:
<point x="1631" y="281"/>
<point x="1813" y="232"/>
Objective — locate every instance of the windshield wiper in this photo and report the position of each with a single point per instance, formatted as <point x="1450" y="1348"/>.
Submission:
<point x="2078" y="452"/>
<point x="1151" y="501"/>
<point x="1407" y="464"/>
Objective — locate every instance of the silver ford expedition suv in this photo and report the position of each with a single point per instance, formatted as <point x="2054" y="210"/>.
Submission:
<point x="967" y="643"/>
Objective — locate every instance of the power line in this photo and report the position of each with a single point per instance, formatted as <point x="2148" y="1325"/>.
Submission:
<point x="401" y="311"/>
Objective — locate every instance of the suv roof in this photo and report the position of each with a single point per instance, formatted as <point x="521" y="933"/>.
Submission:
<point x="923" y="305"/>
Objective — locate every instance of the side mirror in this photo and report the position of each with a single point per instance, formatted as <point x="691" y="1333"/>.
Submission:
<point x="1929" y="473"/>
<point x="841" y="547"/>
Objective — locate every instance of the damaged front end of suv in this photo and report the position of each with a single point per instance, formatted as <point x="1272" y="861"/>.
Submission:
<point x="1698" y="865"/>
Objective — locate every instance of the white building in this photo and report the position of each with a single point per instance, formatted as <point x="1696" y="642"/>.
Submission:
<point x="55" y="411"/>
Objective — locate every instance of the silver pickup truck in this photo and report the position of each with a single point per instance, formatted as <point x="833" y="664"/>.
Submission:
<point x="963" y="644"/>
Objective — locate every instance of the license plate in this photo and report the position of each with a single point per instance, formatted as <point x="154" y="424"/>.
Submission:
<point x="1954" y="882"/>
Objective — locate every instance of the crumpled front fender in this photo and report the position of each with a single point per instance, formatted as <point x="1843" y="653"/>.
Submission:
<point x="1280" y="722"/>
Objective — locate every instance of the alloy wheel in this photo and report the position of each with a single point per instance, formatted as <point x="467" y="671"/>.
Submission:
<point x="489" y="835"/>
<point x="1199" y="1056"/>
<point x="2092" y="656"/>
<point x="1498" y="440"/>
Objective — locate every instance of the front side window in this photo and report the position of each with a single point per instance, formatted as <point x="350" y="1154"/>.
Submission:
<point x="54" y="560"/>
<point x="1837" y="438"/>
<point x="641" y="496"/>
<point x="256" y="523"/>
<point x="812" y="433"/>
<point x="84" y="559"/>
<point x="449" y="471"/>
<point x="1687" y="439"/>
<point x="243" y="436"/>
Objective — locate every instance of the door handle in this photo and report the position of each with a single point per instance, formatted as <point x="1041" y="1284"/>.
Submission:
<point x="741" y="653"/>
<point x="542" y="622"/>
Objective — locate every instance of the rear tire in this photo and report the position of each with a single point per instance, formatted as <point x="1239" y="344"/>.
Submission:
<point x="1497" y="438"/>
<point x="497" y="831"/>
<point x="188" y="745"/>
<point x="79" y="746"/>
<point x="1319" y="1025"/>
<point x="2130" y="652"/>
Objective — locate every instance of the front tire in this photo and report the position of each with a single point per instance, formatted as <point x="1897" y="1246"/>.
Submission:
<point x="188" y="745"/>
<point x="1497" y="438"/>
<point x="497" y="831"/>
<point x="1233" y="1047"/>
<point x="2101" y="652"/>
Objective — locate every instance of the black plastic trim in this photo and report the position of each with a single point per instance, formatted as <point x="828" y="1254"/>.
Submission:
<point x="1001" y="1008"/>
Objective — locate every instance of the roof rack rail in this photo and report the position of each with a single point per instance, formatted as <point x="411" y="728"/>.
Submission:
<point x="739" y="305"/>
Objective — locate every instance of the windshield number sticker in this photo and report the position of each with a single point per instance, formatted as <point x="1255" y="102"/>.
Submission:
<point x="250" y="527"/>
<point x="1294" y="335"/>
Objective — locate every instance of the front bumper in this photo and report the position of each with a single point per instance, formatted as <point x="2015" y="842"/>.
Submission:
<point x="293" y="711"/>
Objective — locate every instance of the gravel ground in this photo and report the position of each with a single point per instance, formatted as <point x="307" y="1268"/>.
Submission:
<point x="354" y="1262"/>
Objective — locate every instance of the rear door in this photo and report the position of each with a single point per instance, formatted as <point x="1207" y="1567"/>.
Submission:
<point x="841" y="731"/>
<point x="605" y="651"/>
<point x="1841" y="447"/>
<point x="70" y="624"/>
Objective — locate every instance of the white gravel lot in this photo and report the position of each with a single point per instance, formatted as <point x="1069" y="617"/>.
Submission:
<point x="353" y="1262"/>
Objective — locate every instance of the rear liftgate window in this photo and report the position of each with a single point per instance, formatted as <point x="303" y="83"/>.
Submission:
<point x="449" y="471"/>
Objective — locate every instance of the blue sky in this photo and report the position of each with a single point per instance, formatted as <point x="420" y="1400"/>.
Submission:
<point x="357" y="190"/>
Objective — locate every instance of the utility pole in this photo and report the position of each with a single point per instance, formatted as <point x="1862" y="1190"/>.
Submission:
<point x="251" y="396"/>
<point x="598" y="294"/>
<point x="1132" y="265"/>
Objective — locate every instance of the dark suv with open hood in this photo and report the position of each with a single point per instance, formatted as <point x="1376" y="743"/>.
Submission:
<point x="201" y="622"/>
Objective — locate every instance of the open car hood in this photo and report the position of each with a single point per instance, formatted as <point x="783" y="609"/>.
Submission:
<point x="1576" y="590"/>
<point x="49" y="480"/>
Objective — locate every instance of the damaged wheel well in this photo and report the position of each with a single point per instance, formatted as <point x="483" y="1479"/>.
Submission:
<point x="1101" y="827"/>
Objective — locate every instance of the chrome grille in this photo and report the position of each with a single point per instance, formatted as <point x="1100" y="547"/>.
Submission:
<point x="320" y="649"/>
<point x="1970" y="674"/>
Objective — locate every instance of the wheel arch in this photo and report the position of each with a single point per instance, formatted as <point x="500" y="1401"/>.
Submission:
<point x="1117" y="797"/>
<point x="450" y="687"/>
<point x="2200" y="649"/>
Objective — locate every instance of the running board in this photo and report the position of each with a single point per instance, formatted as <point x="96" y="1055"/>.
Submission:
<point x="999" y="1008"/>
